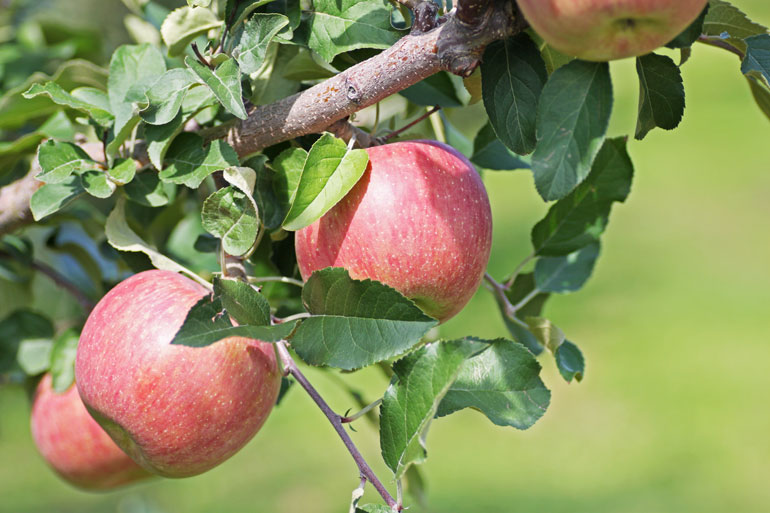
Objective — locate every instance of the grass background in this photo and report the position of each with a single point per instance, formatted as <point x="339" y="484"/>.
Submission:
<point x="673" y="413"/>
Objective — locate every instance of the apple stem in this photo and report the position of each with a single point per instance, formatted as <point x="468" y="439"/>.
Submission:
<point x="290" y="368"/>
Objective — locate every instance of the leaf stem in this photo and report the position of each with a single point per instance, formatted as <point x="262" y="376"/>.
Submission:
<point x="517" y="271"/>
<point x="526" y="299"/>
<point x="350" y="418"/>
<point x="290" y="368"/>
<point x="396" y="133"/>
<point x="200" y="57"/>
<point x="280" y="279"/>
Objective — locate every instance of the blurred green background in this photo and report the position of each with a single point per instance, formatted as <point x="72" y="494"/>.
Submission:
<point x="673" y="414"/>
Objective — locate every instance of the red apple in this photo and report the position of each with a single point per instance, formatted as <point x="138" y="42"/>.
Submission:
<point x="418" y="220"/>
<point x="176" y="410"/>
<point x="74" y="445"/>
<point x="605" y="30"/>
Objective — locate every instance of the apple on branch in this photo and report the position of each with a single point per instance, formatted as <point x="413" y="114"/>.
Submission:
<point x="177" y="410"/>
<point x="74" y="445"/>
<point x="418" y="220"/>
<point x="605" y="30"/>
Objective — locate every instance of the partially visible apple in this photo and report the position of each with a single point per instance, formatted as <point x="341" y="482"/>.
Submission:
<point x="176" y="410"/>
<point x="419" y="220"/>
<point x="605" y="30"/>
<point x="74" y="445"/>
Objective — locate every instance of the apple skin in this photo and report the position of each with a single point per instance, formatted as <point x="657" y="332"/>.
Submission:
<point x="418" y="220"/>
<point x="74" y="445"/>
<point x="176" y="410"/>
<point x="605" y="30"/>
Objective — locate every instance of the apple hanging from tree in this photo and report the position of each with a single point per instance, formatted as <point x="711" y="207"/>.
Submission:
<point x="605" y="30"/>
<point x="177" y="410"/>
<point x="418" y="220"/>
<point x="74" y="445"/>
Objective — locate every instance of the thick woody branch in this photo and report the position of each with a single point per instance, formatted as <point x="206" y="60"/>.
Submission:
<point x="456" y="45"/>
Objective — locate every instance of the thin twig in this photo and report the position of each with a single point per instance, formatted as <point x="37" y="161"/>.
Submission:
<point x="201" y="58"/>
<point x="498" y="289"/>
<point x="64" y="283"/>
<point x="396" y="133"/>
<point x="290" y="368"/>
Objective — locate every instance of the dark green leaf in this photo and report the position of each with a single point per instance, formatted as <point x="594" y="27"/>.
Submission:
<point x="355" y="323"/>
<point x="242" y="302"/>
<point x="490" y="153"/>
<point x="250" y="43"/>
<point x="160" y="137"/>
<point x="761" y="94"/>
<point x="242" y="9"/>
<point x="54" y="196"/>
<point x="63" y="360"/>
<point x="566" y="273"/>
<point x="330" y="170"/>
<point x="503" y="382"/>
<point x="661" y="94"/>
<point x="757" y="60"/>
<point x="724" y="18"/>
<point x="419" y="384"/>
<point x="513" y="75"/>
<point x="570" y="362"/>
<point x="224" y="82"/>
<point x="207" y="322"/>
<point x="147" y="189"/>
<point x="25" y="326"/>
<point x="580" y="218"/>
<point x="373" y="508"/>
<point x="572" y="120"/>
<point x="270" y="209"/>
<point x="437" y="89"/>
<point x="189" y="162"/>
<point x="59" y="160"/>
<point x="288" y="167"/>
<point x="229" y="215"/>
<point x="691" y="33"/>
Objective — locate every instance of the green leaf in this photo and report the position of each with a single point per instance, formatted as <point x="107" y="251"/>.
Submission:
<point x="165" y="96"/>
<point x="757" y="61"/>
<point x="502" y="382"/>
<point x="513" y="75"/>
<point x="761" y="94"/>
<point x="25" y="327"/>
<point x="581" y="218"/>
<point x="122" y="171"/>
<point x="147" y="189"/>
<point x="570" y="362"/>
<point x="183" y="25"/>
<point x="54" y="196"/>
<point x="54" y="91"/>
<point x="63" y="360"/>
<point x="224" y="82"/>
<point x="198" y="3"/>
<point x="121" y="237"/>
<point x="566" y="273"/>
<point x="58" y="126"/>
<point x="132" y="68"/>
<point x="724" y="17"/>
<point x="243" y="302"/>
<point x="229" y="215"/>
<point x="420" y="381"/>
<point x="330" y="170"/>
<point x="97" y="184"/>
<point x="207" y="323"/>
<point x="251" y="43"/>
<point x="337" y="26"/>
<point x="437" y="89"/>
<point x="661" y="94"/>
<point x="355" y="323"/>
<point x="373" y="508"/>
<point x="160" y="137"/>
<point x="572" y="120"/>
<point x="189" y="162"/>
<point x="490" y="153"/>
<point x="569" y="359"/>
<point x="59" y="160"/>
